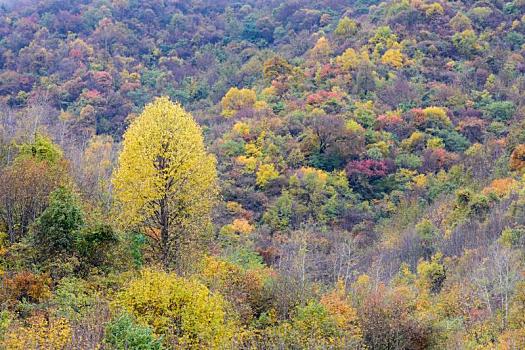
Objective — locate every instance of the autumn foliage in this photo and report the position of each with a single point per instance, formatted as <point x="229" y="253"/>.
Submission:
<point x="262" y="175"/>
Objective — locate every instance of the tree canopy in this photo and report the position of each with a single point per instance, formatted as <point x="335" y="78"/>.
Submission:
<point x="165" y="180"/>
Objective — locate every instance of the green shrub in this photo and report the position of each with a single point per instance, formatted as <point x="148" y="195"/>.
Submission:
<point x="124" y="334"/>
<point x="72" y="298"/>
<point x="57" y="229"/>
<point x="409" y="161"/>
<point x="500" y="110"/>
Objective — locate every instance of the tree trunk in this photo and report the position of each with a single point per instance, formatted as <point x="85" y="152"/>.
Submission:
<point x="9" y="220"/>
<point x="164" y="232"/>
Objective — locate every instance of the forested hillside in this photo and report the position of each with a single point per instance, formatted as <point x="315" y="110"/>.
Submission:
<point x="262" y="174"/>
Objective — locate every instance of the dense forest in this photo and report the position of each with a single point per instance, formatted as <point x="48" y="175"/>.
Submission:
<point x="262" y="174"/>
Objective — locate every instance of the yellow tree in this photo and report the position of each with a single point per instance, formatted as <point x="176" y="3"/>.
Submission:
<point x="39" y="333"/>
<point x="96" y="168"/>
<point x="321" y="51"/>
<point x="348" y="59"/>
<point x="183" y="311"/>
<point x="393" y="57"/>
<point x="236" y="100"/>
<point x="165" y="181"/>
<point x="346" y="27"/>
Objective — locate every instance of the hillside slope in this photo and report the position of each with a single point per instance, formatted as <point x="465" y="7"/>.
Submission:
<point x="369" y="162"/>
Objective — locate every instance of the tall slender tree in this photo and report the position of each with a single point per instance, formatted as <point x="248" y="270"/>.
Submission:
<point x="166" y="182"/>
